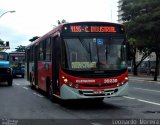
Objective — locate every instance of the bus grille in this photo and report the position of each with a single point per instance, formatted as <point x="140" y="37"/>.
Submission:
<point x="107" y="92"/>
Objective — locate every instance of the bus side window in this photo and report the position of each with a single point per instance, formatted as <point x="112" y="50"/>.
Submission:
<point x="48" y="49"/>
<point x="41" y="56"/>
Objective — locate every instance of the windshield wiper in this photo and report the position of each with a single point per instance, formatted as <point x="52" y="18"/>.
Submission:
<point x="86" y="48"/>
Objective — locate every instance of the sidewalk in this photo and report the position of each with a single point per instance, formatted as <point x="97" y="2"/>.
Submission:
<point x="144" y="78"/>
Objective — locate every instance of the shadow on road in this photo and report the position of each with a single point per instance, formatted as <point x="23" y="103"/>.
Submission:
<point x="89" y="104"/>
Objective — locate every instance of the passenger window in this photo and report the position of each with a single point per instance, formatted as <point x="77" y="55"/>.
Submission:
<point x="48" y="50"/>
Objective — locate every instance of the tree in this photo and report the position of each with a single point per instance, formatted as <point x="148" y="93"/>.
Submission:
<point x="132" y="53"/>
<point x="60" y="22"/>
<point x="2" y="44"/>
<point x="20" y="48"/>
<point x="34" y="38"/>
<point x="142" y="19"/>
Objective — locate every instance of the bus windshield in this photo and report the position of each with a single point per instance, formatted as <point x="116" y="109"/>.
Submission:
<point x="95" y="53"/>
<point x="17" y="60"/>
<point x="4" y="56"/>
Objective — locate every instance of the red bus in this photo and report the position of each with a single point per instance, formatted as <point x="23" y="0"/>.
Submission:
<point x="80" y="60"/>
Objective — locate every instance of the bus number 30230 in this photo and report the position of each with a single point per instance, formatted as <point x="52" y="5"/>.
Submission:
<point x="110" y="80"/>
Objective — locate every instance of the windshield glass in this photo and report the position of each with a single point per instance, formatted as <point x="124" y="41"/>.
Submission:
<point x="95" y="53"/>
<point x="17" y="61"/>
<point x="3" y="56"/>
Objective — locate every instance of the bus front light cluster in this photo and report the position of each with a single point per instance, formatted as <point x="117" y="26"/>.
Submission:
<point x="69" y="83"/>
<point x="65" y="80"/>
<point x="122" y="82"/>
<point x="126" y="78"/>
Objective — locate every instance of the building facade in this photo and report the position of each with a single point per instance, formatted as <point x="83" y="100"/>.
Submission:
<point x="120" y="12"/>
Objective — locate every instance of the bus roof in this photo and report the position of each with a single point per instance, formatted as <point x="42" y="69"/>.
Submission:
<point x="59" y="28"/>
<point x="17" y="54"/>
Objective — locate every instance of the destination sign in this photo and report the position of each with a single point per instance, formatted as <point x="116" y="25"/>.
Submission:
<point x="92" y="29"/>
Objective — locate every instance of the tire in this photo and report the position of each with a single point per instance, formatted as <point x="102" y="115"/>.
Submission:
<point x="51" y="96"/>
<point x="31" y="83"/>
<point x="32" y="86"/>
<point x="50" y="93"/>
<point x="10" y="81"/>
<point x="23" y="76"/>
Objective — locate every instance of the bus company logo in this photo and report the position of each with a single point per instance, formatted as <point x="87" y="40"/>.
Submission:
<point x="85" y="81"/>
<point x="110" y="80"/>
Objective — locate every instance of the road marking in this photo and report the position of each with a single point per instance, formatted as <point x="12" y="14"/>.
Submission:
<point x="147" y="89"/>
<point x="148" y="102"/>
<point x="128" y="97"/>
<point x="141" y="100"/>
<point x="96" y="124"/>
<point x="25" y="88"/>
<point x="142" y="80"/>
<point x="38" y="95"/>
<point x="17" y="84"/>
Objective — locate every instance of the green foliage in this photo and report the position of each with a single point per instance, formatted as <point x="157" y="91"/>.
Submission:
<point x="142" y="19"/>
<point x="34" y="38"/>
<point x="20" y="48"/>
<point x="1" y="42"/>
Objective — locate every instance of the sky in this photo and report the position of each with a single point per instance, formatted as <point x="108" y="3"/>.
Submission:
<point x="37" y="17"/>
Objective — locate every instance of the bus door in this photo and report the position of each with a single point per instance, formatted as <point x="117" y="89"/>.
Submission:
<point x="27" y="63"/>
<point x="55" y="63"/>
<point x="36" y="64"/>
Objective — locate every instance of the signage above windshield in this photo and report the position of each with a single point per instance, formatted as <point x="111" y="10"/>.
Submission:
<point x="93" y="29"/>
<point x="90" y="29"/>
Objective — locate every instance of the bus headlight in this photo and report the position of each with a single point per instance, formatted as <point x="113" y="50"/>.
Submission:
<point x="126" y="78"/>
<point x="65" y="80"/>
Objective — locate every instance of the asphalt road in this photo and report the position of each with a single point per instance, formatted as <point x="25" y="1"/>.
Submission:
<point x="20" y="102"/>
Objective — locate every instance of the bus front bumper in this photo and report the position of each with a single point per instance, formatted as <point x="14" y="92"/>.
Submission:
<point x="67" y="92"/>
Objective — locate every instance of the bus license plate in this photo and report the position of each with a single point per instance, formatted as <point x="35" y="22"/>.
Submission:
<point x="98" y="92"/>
